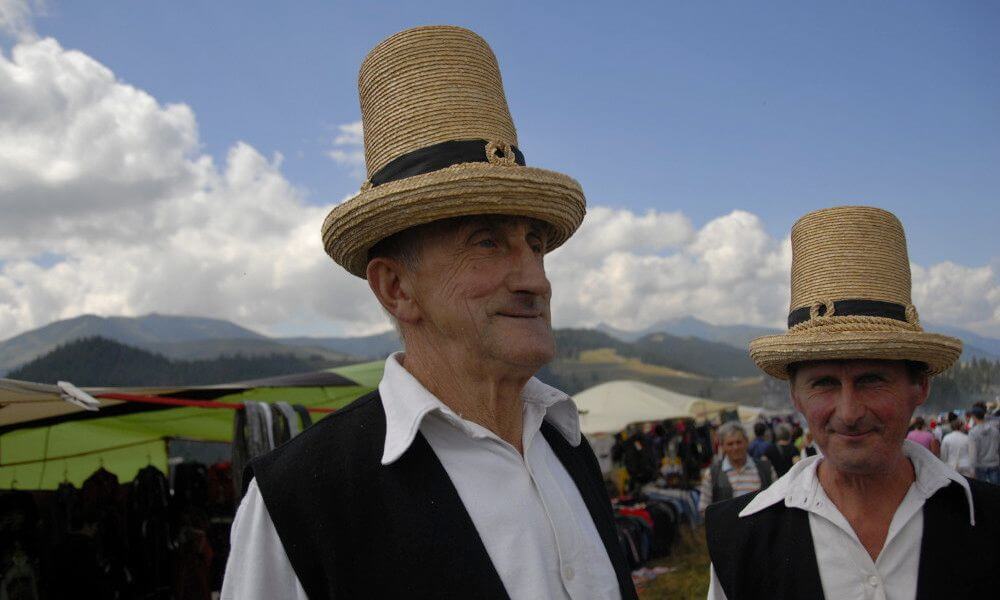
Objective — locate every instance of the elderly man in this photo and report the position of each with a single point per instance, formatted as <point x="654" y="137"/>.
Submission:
<point x="462" y="476"/>
<point x="735" y="473"/>
<point x="875" y="516"/>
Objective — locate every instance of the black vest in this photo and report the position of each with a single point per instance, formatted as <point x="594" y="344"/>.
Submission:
<point x="353" y="528"/>
<point x="770" y="554"/>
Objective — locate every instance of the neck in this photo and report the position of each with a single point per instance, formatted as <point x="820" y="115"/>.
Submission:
<point x="477" y="390"/>
<point x="869" y="501"/>
<point x="868" y="488"/>
<point x="738" y="463"/>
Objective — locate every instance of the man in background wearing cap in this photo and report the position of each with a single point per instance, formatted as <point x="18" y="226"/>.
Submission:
<point x="876" y="516"/>
<point x="984" y="447"/>
<point x="463" y="476"/>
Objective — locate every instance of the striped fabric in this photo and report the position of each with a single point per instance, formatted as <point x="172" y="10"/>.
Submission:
<point x="744" y="480"/>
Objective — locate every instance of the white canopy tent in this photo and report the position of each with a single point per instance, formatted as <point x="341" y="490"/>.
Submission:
<point x="610" y="407"/>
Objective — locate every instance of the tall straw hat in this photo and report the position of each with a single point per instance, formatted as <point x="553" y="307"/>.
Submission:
<point x="851" y="296"/>
<point x="440" y="143"/>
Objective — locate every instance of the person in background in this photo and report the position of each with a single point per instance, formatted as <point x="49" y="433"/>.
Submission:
<point x="639" y="459"/>
<point x="735" y="473"/>
<point x="797" y="434"/>
<point x="934" y="429"/>
<point x="984" y="447"/>
<point x="920" y="435"/>
<point x="945" y="424"/>
<point x="759" y="445"/>
<point x="783" y="453"/>
<point x="809" y="447"/>
<point x="955" y="449"/>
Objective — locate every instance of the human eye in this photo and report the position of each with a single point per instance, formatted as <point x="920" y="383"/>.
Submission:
<point x="536" y="243"/>
<point x="484" y="238"/>
<point x="870" y="379"/>
<point x="824" y="382"/>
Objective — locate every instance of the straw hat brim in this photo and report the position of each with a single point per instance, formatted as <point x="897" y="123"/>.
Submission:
<point x="774" y="353"/>
<point x="353" y="227"/>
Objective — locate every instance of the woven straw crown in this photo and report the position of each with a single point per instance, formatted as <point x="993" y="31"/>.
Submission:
<point x="851" y="296"/>
<point x="427" y="87"/>
<point x="849" y="252"/>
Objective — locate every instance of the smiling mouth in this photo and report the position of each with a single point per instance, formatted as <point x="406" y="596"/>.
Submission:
<point x="854" y="435"/>
<point x="521" y="315"/>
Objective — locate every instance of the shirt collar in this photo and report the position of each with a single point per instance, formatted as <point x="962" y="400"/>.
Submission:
<point x="728" y="466"/>
<point x="797" y="487"/>
<point x="406" y="402"/>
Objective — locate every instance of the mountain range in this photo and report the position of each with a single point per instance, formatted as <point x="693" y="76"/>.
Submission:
<point x="687" y="344"/>
<point x="974" y="345"/>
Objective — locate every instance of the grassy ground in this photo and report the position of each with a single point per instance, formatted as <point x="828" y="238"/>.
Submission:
<point x="689" y="579"/>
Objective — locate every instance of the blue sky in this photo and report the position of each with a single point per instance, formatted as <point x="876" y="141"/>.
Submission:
<point x="177" y="157"/>
<point x="775" y="108"/>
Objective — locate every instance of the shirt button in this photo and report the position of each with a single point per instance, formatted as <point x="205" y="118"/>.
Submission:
<point x="568" y="573"/>
<point x="873" y="580"/>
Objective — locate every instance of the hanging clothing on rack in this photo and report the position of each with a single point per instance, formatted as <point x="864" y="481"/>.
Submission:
<point x="104" y="512"/>
<point x="251" y="438"/>
<point x="291" y="417"/>
<point x="281" y="428"/>
<point x="303" y="415"/>
<point x="149" y="533"/>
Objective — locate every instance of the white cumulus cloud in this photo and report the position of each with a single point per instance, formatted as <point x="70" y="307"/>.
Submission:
<point x="630" y="271"/>
<point x="958" y="295"/>
<point x="348" y="149"/>
<point x="16" y="17"/>
<point x="110" y="207"/>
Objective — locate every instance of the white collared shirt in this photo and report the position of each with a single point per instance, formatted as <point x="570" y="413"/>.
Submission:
<point x="846" y="569"/>
<point x="529" y="514"/>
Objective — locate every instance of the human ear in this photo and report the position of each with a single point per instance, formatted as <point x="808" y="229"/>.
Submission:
<point x="923" y="389"/>
<point x="388" y="280"/>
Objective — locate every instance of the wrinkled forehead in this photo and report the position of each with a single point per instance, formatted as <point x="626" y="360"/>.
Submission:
<point x="847" y="365"/>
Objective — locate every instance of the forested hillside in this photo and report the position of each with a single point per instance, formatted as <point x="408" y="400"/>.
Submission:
<point x="96" y="361"/>
<point x="689" y="354"/>
<point x="964" y="384"/>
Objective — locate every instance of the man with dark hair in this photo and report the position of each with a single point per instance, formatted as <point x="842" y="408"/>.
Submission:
<point x="874" y="516"/>
<point x="783" y="453"/>
<point x="984" y="447"/>
<point x="759" y="445"/>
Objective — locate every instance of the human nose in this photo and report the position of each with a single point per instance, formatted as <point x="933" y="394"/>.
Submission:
<point x="850" y="409"/>
<point x="527" y="272"/>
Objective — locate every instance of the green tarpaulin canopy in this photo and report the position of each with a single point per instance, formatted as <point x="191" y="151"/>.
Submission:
<point x="45" y="440"/>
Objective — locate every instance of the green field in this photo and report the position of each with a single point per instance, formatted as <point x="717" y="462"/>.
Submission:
<point x="690" y="567"/>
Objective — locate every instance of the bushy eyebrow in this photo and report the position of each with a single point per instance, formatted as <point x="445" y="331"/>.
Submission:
<point x="871" y="374"/>
<point x="825" y="378"/>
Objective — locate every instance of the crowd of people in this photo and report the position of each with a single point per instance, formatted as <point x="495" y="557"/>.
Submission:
<point x="970" y="445"/>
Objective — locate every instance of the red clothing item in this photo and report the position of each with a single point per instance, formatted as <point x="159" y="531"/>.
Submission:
<point x="636" y="512"/>
<point x="924" y="438"/>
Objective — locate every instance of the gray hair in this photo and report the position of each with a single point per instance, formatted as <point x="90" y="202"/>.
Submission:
<point x="729" y="428"/>
<point x="782" y="432"/>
